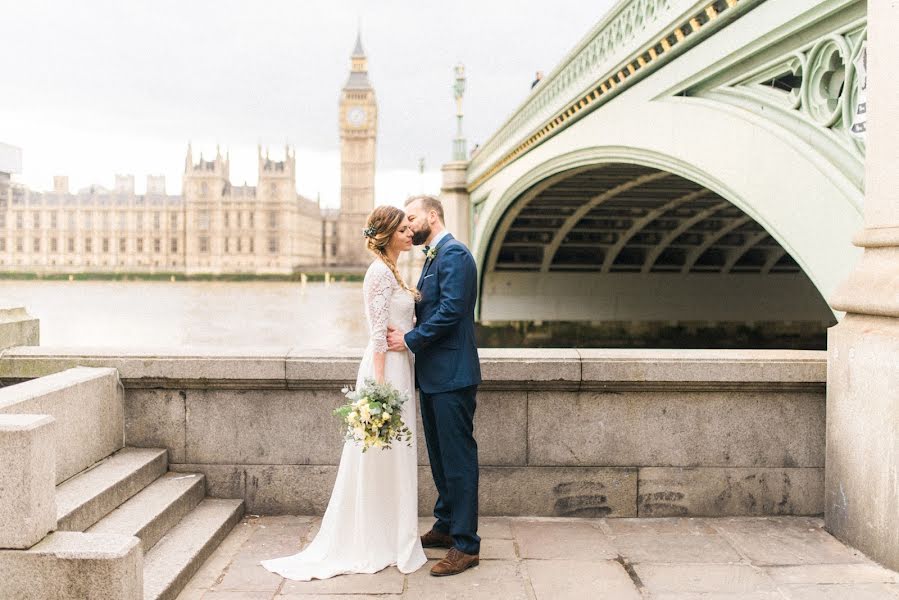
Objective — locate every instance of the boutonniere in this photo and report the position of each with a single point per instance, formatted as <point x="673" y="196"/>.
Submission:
<point x="430" y="253"/>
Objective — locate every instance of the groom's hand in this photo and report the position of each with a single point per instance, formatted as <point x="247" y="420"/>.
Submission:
<point x="395" y="340"/>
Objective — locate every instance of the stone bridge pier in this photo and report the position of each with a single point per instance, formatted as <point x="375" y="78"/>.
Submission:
<point x="862" y="460"/>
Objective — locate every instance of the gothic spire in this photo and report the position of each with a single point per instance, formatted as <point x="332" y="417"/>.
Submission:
<point x="358" y="50"/>
<point x="358" y="79"/>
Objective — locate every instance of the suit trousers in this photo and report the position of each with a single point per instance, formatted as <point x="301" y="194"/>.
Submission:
<point x="448" y="421"/>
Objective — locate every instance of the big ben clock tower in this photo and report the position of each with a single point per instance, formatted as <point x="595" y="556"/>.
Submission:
<point x="358" y="132"/>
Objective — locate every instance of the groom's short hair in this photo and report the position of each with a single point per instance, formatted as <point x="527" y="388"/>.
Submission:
<point x="429" y="203"/>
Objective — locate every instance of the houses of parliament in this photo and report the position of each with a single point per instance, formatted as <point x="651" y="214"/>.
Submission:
<point x="212" y="227"/>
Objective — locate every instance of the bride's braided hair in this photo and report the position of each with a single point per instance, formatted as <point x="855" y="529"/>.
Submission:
<point x="382" y="223"/>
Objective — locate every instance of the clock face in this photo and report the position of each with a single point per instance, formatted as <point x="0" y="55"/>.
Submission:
<point x="356" y="116"/>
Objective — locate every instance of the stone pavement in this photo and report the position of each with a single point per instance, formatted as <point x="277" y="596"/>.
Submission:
<point x="783" y="558"/>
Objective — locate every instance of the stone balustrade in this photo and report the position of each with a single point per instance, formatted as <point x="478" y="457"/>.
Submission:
<point x="560" y="432"/>
<point x="88" y="407"/>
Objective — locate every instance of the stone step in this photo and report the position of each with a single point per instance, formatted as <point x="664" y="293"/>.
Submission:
<point x="87" y="497"/>
<point x="156" y="509"/>
<point x="70" y="565"/>
<point x="170" y="564"/>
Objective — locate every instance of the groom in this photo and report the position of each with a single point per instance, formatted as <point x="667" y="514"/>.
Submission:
<point x="447" y="373"/>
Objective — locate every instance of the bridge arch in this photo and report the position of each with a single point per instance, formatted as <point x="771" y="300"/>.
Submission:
<point x="681" y="231"/>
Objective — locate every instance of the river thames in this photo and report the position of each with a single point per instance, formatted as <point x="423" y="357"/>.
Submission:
<point x="202" y="314"/>
<point x="319" y="316"/>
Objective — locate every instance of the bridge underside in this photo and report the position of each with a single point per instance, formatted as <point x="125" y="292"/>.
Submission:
<point x="624" y="242"/>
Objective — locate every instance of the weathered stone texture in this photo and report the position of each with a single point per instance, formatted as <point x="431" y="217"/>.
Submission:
<point x="27" y="479"/>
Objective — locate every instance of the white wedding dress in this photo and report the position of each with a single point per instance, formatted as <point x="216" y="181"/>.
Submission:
<point x="372" y="518"/>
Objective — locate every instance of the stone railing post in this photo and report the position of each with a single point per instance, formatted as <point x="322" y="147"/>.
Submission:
<point x="862" y="462"/>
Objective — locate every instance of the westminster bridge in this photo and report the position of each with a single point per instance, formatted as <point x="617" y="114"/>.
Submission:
<point x="677" y="165"/>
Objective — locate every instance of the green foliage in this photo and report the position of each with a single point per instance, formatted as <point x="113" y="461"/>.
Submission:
<point x="372" y="415"/>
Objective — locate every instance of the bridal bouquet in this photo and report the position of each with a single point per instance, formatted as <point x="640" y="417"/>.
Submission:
<point x="372" y="415"/>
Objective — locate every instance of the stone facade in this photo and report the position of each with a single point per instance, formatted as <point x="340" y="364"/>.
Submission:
<point x="212" y="227"/>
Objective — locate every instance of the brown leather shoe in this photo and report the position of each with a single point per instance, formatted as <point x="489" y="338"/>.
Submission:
<point x="436" y="539"/>
<point x="454" y="563"/>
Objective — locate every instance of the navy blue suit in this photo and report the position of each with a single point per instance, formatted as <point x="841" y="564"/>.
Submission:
<point x="447" y="373"/>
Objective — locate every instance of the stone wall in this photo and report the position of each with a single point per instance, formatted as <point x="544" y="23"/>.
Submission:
<point x="862" y="489"/>
<point x="616" y="433"/>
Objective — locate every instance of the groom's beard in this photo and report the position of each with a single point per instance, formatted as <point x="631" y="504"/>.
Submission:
<point x="421" y="236"/>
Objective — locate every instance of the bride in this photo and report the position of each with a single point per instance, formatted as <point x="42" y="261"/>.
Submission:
<point x="372" y="518"/>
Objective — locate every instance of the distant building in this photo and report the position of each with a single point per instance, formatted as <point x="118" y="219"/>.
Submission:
<point x="10" y="162"/>
<point x="212" y="226"/>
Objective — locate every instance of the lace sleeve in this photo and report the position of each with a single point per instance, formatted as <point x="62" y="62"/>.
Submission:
<point x="377" y="290"/>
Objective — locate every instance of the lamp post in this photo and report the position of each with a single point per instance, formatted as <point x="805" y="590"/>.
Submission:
<point x="459" y="145"/>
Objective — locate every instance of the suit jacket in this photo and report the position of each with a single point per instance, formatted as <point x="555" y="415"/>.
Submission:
<point x="443" y="341"/>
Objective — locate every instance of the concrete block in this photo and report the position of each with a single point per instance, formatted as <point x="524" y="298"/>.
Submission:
<point x="289" y="489"/>
<point x="500" y="428"/>
<point x="546" y="492"/>
<point x="686" y="429"/>
<point x="88" y="405"/>
<point x="154" y="367"/>
<point x="18" y="328"/>
<point x="721" y="492"/>
<point x="267" y="427"/>
<point x="261" y="426"/>
<point x="75" y="566"/>
<point x="681" y="367"/>
<point x="861" y="490"/>
<point x="326" y="368"/>
<point x="530" y="368"/>
<point x="156" y="419"/>
<point x="27" y="479"/>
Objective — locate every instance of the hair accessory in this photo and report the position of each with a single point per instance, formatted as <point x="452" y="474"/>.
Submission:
<point x="369" y="232"/>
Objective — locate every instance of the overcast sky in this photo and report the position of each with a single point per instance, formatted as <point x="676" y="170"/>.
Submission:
<point x="93" y="88"/>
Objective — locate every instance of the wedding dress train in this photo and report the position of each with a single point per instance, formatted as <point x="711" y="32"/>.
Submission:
<point x="372" y="517"/>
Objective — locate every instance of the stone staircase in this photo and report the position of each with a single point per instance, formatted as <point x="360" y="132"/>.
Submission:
<point x="115" y="523"/>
